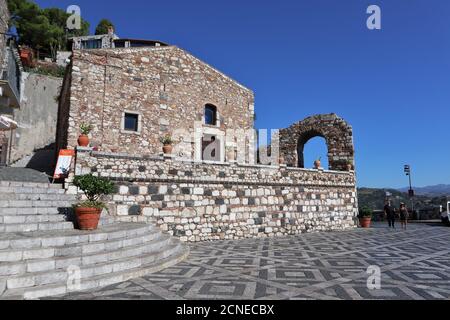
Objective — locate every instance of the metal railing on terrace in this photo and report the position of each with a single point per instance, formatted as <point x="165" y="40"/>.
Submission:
<point x="12" y="72"/>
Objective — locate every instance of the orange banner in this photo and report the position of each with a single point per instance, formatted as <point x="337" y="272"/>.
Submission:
<point x="64" y="162"/>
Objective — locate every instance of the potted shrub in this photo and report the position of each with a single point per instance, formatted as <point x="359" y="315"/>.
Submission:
<point x="83" y="139"/>
<point x="88" y="212"/>
<point x="318" y="163"/>
<point x="365" y="217"/>
<point x="231" y="156"/>
<point x="167" y="142"/>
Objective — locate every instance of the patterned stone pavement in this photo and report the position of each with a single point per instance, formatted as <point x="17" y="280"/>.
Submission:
<point x="415" y="264"/>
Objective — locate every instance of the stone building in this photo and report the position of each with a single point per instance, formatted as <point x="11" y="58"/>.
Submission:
<point x="134" y="96"/>
<point x="94" y="41"/>
<point x="110" y="41"/>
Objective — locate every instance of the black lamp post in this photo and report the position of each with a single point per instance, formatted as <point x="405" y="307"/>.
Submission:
<point x="411" y="190"/>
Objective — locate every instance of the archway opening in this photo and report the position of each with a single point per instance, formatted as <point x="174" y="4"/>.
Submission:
<point x="310" y="149"/>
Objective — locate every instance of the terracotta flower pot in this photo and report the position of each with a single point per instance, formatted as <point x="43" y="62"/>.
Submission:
<point x="167" y="149"/>
<point x="317" y="164"/>
<point x="365" y="222"/>
<point x="83" y="140"/>
<point x="281" y="160"/>
<point x="349" y="167"/>
<point x="87" y="218"/>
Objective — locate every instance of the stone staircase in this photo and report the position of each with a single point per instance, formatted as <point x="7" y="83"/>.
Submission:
<point x="39" y="247"/>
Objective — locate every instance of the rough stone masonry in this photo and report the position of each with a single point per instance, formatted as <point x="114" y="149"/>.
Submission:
<point x="166" y="89"/>
<point x="202" y="201"/>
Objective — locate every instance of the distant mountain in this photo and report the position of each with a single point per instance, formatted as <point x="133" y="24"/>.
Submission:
<point x="374" y="199"/>
<point x="434" y="191"/>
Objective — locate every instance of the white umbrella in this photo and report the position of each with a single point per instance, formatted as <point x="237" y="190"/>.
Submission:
<point x="7" y="124"/>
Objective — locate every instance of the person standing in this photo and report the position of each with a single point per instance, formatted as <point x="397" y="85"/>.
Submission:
<point x="389" y="213"/>
<point x="404" y="215"/>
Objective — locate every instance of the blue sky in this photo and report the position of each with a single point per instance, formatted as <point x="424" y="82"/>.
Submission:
<point x="303" y="57"/>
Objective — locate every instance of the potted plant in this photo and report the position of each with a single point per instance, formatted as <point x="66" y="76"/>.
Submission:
<point x="83" y="139"/>
<point x="365" y="217"/>
<point x="318" y="163"/>
<point x="349" y="164"/>
<point x="167" y="142"/>
<point x="88" y="212"/>
<point x="231" y="156"/>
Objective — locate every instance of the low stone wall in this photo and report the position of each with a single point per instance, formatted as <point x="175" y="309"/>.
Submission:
<point x="199" y="201"/>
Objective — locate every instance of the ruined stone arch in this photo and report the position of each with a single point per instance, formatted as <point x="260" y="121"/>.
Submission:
<point x="336" y="132"/>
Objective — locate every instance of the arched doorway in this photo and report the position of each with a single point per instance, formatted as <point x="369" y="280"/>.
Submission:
<point x="311" y="148"/>
<point x="336" y="132"/>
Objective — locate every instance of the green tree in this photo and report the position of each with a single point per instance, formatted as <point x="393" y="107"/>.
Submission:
<point x="58" y="31"/>
<point x="42" y="29"/>
<point x="102" y="27"/>
<point x="59" y="17"/>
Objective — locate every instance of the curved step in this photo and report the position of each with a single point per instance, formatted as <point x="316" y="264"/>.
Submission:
<point x="31" y="210"/>
<point x="37" y="196"/>
<point x="39" y="226"/>
<point x="23" y="268"/>
<point x="119" y="271"/>
<point x="38" y="243"/>
<point x="15" y="184"/>
<point x="35" y="204"/>
<point x="34" y="190"/>
<point x="32" y="218"/>
<point x="46" y="240"/>
<point x="38" y="218"/>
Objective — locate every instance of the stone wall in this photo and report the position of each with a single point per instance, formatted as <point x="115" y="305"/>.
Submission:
<point x="63" y="111"/>
<point x="4" y="19"/>
<point x="209" y="201"/>
<point x="167" y="87"/>
<point x="37" y="115"/>
<point x="337" y="133"/>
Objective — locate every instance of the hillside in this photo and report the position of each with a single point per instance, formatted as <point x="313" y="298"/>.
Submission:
<point x="374" y="199"/>
<point x="437" y="190"/>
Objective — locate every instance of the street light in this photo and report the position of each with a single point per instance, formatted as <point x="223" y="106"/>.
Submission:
<point x="411" y="191"/>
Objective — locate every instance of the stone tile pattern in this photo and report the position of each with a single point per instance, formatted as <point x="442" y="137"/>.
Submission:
<point x="167" y="86"/>
<point x="203" y="201"/>
<point x="337" y="133"/>
<point x="310" y="266"/>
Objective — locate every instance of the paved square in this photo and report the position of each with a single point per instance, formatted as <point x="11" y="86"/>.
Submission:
<point x="415" y="264"/>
